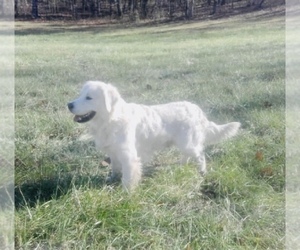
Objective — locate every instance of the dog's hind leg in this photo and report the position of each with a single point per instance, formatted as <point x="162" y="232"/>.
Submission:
<point x="201" y="163"/>
<point x="200" y="158"/>
<point x="191" y="147"/>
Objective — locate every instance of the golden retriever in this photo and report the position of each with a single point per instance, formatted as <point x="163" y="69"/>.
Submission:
<point x="129" y="133"/>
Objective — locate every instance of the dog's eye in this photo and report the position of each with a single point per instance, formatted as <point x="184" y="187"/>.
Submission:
<point x="89" y="98"/>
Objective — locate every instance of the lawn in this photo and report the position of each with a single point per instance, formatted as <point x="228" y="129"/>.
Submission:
<point x="233" y="68"/>
<point x="6" y="134"/>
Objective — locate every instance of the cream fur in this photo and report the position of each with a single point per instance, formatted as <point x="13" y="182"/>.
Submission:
<point x="129" y="133"/>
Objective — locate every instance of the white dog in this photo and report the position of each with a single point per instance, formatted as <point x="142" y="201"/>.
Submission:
<point x="129" y="133"/>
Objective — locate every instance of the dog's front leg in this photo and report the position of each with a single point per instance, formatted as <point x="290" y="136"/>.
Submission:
<point x="116" y="169"/>
<point x="131" y="168"/>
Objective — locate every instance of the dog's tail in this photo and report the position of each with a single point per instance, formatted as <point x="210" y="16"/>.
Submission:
<point x="216" y="133"/>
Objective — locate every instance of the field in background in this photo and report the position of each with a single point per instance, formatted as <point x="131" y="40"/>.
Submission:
<point x="232" y="68"/>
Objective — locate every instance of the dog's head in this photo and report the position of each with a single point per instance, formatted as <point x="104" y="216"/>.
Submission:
<point x="96" y="99"/>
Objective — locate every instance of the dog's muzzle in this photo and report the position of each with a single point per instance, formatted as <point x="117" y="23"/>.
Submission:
<point x="81" y="118"/>
<point x="70" y="106"/>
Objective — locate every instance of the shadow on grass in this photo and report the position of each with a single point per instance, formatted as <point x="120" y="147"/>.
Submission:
<point x="6" y="196"/>
<point x="28" y="194"/>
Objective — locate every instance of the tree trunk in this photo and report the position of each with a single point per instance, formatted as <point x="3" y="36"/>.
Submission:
<point x="93" y="10"/>
<point x="98" y="8"/>
<point x="34" y="11"/>
<point x="189" y="10"/>
<point x="131" y="6"/>
<point x="83" y="5"/>
<point x="144" y="8"/>
<point x="2" y="8"/>
<point x="257" y="4"/>
<point x="16" y="8"/>
<point x="134" y="15"/>
<point x="74" y="9"/>
<point x="214" y="9"/>
<point x="119" y="9"/>
<point x="110" y="8"/>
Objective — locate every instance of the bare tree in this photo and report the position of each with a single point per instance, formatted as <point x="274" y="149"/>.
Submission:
<point x="215" y="4"/>
<point x="256" y="3"/>
<point x="16" y="7"/>
<point x="189" y="10"/>
<point x="74" y="9"/>
<point x="1" y="8"/>
<point x="133" y="8"/>
<point x="144" y="10"/>
<point x="119" y="8"/>
<point x="34" y="11"/>
<point x="98" y="7"/>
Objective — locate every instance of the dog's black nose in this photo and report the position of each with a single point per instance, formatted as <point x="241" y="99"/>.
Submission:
<point x="70" y="105"/>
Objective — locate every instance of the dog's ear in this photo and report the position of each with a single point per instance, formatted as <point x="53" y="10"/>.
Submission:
<point x="111" y="96"/>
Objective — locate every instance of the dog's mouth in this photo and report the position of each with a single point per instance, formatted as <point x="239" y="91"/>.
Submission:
<point x="84" y="118"/>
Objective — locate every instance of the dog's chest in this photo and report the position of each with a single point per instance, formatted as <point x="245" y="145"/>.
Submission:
<point x="103" y="136"/>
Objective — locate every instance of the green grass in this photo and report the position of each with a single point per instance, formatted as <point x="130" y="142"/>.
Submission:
<point x="292" y="130"/>
<point x="6" y="135"/>
<point x="232" y="68"/>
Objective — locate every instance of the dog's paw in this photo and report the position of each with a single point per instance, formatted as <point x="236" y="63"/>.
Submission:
<point x="109" y="180"/>
<point x="112" y="179"/>
<point x="203" y="172"/>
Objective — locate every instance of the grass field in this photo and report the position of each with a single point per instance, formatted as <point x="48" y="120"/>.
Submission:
<point x="6" y="134"/>
<point x="292" y="187"/>
<point x="233" y="68"/>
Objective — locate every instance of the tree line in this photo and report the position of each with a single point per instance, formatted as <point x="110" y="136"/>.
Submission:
<point x="132" y="9"/>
